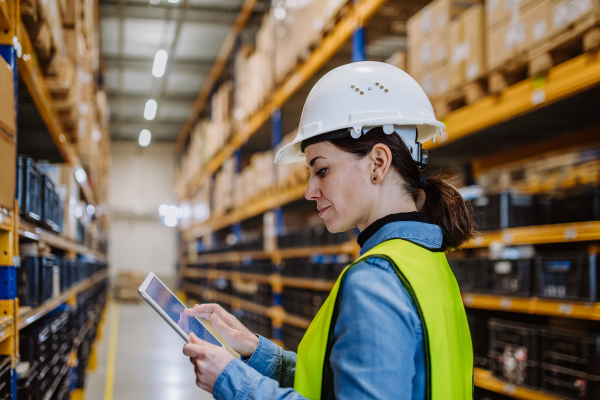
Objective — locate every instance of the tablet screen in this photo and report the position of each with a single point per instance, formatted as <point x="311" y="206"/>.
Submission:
<point x="174" y="309"/>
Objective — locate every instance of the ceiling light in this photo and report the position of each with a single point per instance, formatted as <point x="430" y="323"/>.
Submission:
<point x="162" y="210"/>
<point x="160" y="63"/>
<point x="279" y="13"/>
<point x="91" y="210"/>
<point x="80" y="175"/>
<point x="173" y="1"/>
<point x="150" y="109"/>
<point x="154" y="2"/>
<point x="145" y="137"/>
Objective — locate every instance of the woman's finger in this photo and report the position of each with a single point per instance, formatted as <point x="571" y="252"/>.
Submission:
<point x="194" y="350"/>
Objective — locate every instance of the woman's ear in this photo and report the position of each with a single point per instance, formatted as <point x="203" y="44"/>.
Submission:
<point x="380" y="159"/>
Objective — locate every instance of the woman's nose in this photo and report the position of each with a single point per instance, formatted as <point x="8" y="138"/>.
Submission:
<point x="312" y="190"/>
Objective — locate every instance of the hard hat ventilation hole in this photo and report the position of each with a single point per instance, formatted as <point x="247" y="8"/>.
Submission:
<point x="386" y="90"/>
<point x="376" y="83"/>
<point x="369" y="88"/>
<point x="381" y="87"/>
<point x="362" y="93"/>
<point x="356" y="89"/>
<point x="352" y="87"/>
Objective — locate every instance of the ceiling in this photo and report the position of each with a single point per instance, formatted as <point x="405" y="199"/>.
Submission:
<point x="132" y="31"/>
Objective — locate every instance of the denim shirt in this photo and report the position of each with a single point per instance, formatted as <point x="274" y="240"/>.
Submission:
<point x="377" y="344"/>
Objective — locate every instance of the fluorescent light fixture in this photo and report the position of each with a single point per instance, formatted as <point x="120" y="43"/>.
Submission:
<point x="97" y="135"/>
<point x="154" y="2"/>
<point x="173" y="1"/>
<point x="91" y="210"/>
<point x="162" y="210"/>
<point x="145" y="137"/>
<point x="78" y="212"/>
<point x="171" y="221"/>
<point x="160" y="63"/>
<point x="150" y="109"/>
<point x="80" y="175"/>
<point x="279" y="13"/>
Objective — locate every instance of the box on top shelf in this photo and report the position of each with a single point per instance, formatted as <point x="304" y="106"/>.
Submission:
<point x="510" y="38"/>
<point x="428" y="38"/>
<point x="467" y="47"/>
<point x="8" y="118"/>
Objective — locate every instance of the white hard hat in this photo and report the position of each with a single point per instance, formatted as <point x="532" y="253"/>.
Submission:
<point x="360" y="96"/>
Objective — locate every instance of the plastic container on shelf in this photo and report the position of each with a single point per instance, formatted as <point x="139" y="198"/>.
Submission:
<point x="486" y="210"/>
<point x="28" y="282"/>
<point x="27" y="373"/>
<point x="570" y="363"/>
<point x="470" y="273"/>
<point x="301" y="302"/>
<point x="579" y="204"/>
<point x="51" y="205"/>
<point x="510" y="277"/>
<point x="5" y="378"/>
<point x="514" y="352"/>
<point x="29" y="189"/>
<point x="292" y="336"/>
<point x="570" y="276"/>
<point x="478" y="325"/>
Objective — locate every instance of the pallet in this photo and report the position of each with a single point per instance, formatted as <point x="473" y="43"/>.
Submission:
<point x="463" y="95"/>
<point x="582" y="36"/>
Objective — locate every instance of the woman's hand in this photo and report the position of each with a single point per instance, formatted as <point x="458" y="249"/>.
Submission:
<point x="208" y="360"/>
<point x="239" y="338"/>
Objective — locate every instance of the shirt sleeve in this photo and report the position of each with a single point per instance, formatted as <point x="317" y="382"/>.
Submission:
<point x="377" y="340"/>
<point x="239" y="381"/>
<point x="272" y="361"/>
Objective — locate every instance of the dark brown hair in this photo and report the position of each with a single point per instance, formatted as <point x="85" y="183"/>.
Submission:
<point x="443" y="206"/>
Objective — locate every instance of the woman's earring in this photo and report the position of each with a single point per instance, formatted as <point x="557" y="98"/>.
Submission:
<point x="374" y="179"/>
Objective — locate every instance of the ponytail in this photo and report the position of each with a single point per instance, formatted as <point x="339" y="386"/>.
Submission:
<point x="443" y="206"/>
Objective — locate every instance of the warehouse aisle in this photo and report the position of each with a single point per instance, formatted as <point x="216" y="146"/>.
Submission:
<point x="148" y="365"/>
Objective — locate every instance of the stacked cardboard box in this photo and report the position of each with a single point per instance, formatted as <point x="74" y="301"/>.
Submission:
<point x="43" y="21"/>
<point x="430" y="48"/>
<point x="514" y="27"/>
<point x="127" y="284"/>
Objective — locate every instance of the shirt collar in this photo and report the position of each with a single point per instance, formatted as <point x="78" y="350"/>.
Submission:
<point x="410" y="226"/>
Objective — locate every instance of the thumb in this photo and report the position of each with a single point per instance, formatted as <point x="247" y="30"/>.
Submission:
<point x="195" y="339"/>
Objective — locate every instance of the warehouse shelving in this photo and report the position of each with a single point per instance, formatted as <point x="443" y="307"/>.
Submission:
<point x="275" y="313"/>
<point x="30" y="73"/>
<point x="28" y="315"/>
<point x="533" y="305"/>
<point x="5" y="17"/>
<point x="53" y="239"/>
<point x="357" y="17"/>
<point x="574" y="232"/>
<point x="562" y="81"/>
<point x="485" y="380"/>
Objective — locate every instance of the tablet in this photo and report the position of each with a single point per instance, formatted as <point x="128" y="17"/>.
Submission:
<point x="171" y="309"/>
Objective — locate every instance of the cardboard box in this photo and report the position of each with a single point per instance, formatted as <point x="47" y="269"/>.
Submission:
<point x="428" y="55"/>
<point x="467" y="44"/>
<point x="8" y="177"/>
<point x="72" y="13"/>
<point x="8" y="122"/>
<point x="497" y="11"/>
<point x="513" y="37"/>
<point x="433" y="19"/>
<point x="437" y="82"/>
<point x="566" y="12"/>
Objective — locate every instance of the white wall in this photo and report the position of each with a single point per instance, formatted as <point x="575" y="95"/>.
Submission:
<point x="141" y="180"/>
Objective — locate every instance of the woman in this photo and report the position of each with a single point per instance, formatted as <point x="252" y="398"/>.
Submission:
<point x="394" y="326"/>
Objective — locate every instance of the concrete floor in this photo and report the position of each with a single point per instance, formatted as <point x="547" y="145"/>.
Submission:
<point x="149" y="364"/>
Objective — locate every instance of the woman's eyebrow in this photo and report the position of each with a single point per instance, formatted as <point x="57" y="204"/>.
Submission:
<point x="312" y="162"/>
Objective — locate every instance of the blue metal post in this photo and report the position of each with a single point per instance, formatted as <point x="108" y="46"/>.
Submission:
<point x="358" y="43"/>
<point x="276" y="136"/>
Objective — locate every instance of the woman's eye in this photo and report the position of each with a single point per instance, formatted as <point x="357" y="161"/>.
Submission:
<point x="322" y="172"/>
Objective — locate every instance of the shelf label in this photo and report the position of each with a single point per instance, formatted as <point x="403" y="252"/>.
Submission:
<point x="507" y="238"/>
<point x="565" y="309"/>
<point x="478" y="240"/>
<point x="538" y="96"/>
<point x="468" y="300"/>
<point x="509" y="389"/>
<point x="505" y="303"/>
<point x="570" y="234"/>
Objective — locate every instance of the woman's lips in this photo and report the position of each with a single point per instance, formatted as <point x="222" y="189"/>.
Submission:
<point x="323" y="210"/>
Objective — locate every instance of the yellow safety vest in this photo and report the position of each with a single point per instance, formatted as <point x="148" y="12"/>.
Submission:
<point x="446" y="337"/>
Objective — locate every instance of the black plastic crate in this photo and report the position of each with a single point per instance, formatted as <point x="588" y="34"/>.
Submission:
<point x="301" y="302"/>
<point x="50" y="200"/>
<point x="27" y="388"/>
<point x="5" y="378"/>
<point x="478" y="325"/>
<point x="569" y="384"/>
<point x="510" y="277"/>
<point x="291" y="336"/>
<point x="514" y="352"/>
<point x="577" y="351"/>
<point x="29" y="189"/>
<point x="517" y="210"/>
<point x="486" y="210"/>
<point x="579" y="204"/>
<point x="567" y="276"/>
<point x="34" y="280"/>
<point x="470" y="273"/>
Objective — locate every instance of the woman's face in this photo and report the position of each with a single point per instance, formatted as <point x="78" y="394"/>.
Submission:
<point x="340" y="184"/>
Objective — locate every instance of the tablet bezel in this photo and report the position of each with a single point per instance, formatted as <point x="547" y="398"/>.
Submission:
<point x="207" y="324"/>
